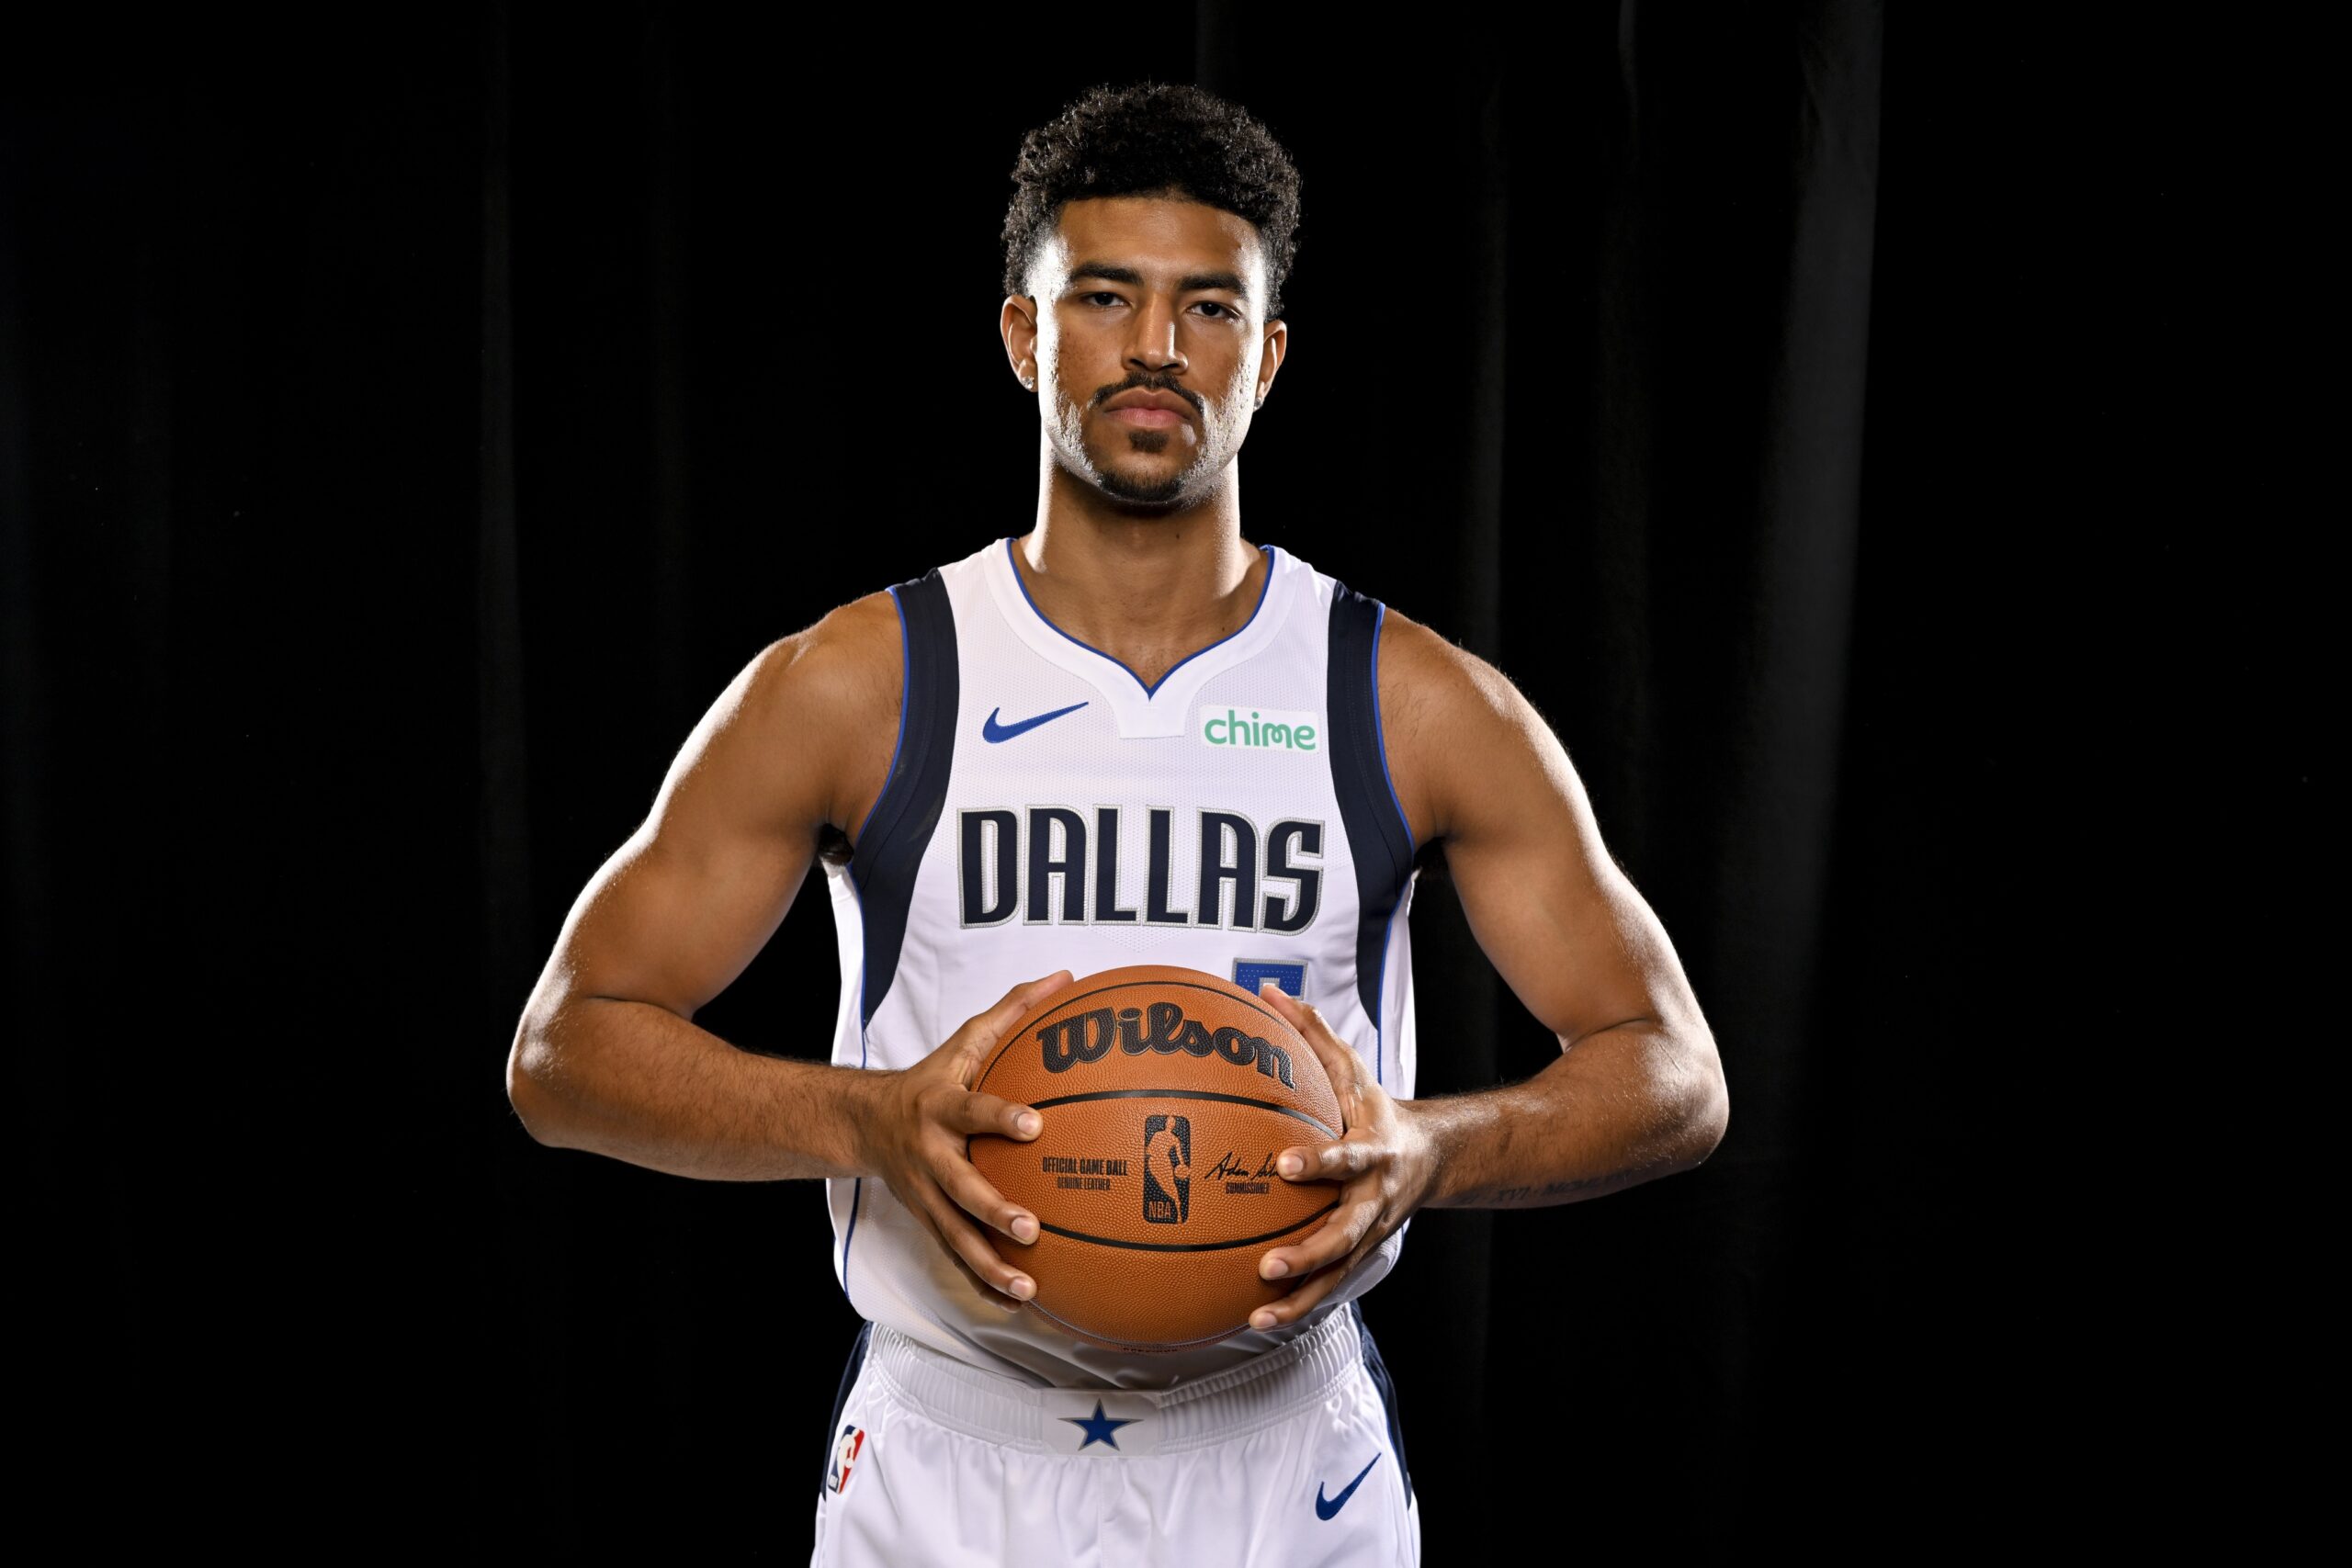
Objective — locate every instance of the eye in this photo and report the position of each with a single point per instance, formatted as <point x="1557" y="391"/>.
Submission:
<point x="1219" y="311"/>
<point x="1101" y="297"/>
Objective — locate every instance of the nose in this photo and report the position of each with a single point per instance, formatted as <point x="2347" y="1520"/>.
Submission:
<point x="1151" y="346"/>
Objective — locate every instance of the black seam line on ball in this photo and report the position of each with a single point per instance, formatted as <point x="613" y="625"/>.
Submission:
<point x="1187" y="1245"/>
<point x="1104" y="990"/>
<point x="1180" y="1094"/>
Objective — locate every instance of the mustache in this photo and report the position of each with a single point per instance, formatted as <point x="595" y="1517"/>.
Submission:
<point x="1148" y="384"/>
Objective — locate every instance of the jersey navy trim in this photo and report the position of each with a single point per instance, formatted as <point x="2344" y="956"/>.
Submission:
<point x="841" y="1401"/>
<point x="1379" y="1370"/>
<point x="1379" y="842"/>
<point x="898" y="746"/>
<point x="1381" y="735"/>
<point x="883" y="862"/>
<point x="857" y="1188"/>
<point x="1270" y="563"/>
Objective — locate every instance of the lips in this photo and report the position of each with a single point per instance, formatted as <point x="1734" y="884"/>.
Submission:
<point x="1142" y="417"/>
<point x="1142" y="410"/>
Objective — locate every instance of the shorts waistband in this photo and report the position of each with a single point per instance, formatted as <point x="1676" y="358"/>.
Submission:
<point x="1119" y="1423"/>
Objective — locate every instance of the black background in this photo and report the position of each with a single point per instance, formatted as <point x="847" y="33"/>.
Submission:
<point x="1849" y="429"/>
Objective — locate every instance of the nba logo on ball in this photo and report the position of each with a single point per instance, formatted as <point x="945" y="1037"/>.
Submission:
<point x="1167" y="1169"/>
<point x="844" y="1455"/>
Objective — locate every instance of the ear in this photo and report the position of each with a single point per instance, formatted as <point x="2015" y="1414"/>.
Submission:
<point x="1017" y="324"/>
<point x="1269" y="362"/>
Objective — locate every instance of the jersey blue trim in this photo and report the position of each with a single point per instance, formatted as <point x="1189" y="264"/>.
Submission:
<point x="887" y="857"/>
<point x="858" y="899"/>
<point x="886" y="860"/>
<point x="898" y="746"/>
<point x="1268" y="550"/>
<point x="1379" y="735"/>
<point x="1387" y="1387"/>
<point x="1379" y="1025"/>
<point x="1380" y="743"/>
<point x="840" y="1400"/>
<point x="1379" y="843"/>
<point x="857" y="1191"/>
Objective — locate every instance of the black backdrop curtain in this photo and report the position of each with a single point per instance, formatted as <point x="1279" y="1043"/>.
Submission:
<point x="408" y="427"/>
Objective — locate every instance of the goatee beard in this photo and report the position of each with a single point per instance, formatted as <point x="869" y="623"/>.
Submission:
<point x="1121" y="487"/>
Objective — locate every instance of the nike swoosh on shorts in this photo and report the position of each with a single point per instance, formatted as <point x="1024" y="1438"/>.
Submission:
<point x="1327" y="1506"/>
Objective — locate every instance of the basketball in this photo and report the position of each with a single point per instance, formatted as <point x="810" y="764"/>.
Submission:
<point x="1165" y="1095"/>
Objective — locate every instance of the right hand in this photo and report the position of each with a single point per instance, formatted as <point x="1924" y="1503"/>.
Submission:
<point x="915" y="1134"/>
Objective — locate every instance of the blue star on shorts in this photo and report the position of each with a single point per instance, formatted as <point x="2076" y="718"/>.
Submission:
<point x="1099" y="1428"/>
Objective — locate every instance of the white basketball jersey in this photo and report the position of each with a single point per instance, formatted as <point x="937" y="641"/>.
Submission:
<point x="1045" y="810"/>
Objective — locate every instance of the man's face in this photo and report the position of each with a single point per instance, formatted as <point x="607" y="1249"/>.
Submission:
<point x="1142" y="300"/>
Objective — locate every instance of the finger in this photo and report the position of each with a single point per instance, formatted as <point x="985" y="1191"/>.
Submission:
<point x="981" y="1032"/>
<point x="966" y="1241"/>
<point x="1299" y="1302"/>
<point x="1026" y="995"/>
<point x="1328" y="1162"/>
<point x="921" y="1198"/>
<point x="973" y="1113"/>
<point x="978" y="1197"/>
<point x="1341" y="1229"/>
<point x="1341" y="1065"/>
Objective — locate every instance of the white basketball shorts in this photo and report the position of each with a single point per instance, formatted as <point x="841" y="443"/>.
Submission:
<point x="1290" y="1462"/>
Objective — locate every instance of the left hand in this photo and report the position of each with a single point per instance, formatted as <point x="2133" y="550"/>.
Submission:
<point x="1385" y="1162"/>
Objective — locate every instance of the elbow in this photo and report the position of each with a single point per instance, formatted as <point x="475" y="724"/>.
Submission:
<point x="1707" y="1113"/>
<point x="1690" y="1103"/>
<point x="530" y="1089"/>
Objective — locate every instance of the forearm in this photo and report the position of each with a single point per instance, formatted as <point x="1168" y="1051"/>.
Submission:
<point x="639" y="1083"/>
<point x="1623" y="1106"/>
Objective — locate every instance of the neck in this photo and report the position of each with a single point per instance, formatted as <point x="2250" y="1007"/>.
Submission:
<point x="1148" y="586"/>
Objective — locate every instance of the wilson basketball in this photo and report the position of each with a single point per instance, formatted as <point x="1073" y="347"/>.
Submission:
<point x="1165" y="1095"/>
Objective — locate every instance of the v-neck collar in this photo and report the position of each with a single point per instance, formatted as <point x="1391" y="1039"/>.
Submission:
<point x="1157" y="709"/>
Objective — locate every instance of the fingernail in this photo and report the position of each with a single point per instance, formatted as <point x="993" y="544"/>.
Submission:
<point x="1274" y="1268"/>
<point x="1261" y="1320"/>
<point x="1023" y="1287"/>
<point x="1028" y="1124"/>
<point x="1289" y="1164"/>
<point x="1023" y="1228"/>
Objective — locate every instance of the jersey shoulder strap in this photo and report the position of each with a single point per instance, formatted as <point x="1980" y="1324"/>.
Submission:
<point x="889" y="846"/>
<point x="1379" y="842"/>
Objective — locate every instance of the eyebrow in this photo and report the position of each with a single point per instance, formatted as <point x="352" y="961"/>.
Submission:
<point x="1111" y="272"/>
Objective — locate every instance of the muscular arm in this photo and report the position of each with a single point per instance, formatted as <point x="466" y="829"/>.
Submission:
<point x="608" y="1058"/>
<point x="1638" y="1091"/>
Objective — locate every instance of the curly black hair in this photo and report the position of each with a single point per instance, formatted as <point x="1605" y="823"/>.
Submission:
<point x="1154" y="137"/>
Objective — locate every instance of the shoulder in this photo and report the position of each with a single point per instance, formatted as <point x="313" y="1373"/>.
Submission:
<point x="1421" y="673"/>
<point x="1450" y="721"/>
<point x="845" y="658"/>
<point x="1433" y="680"/>
<point x="827" y="698"/>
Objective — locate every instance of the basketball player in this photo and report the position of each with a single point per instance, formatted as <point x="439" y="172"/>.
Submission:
<point x="1129" y="735"/>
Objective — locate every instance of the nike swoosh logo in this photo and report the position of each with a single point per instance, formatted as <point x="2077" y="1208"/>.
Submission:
<point x="1327" y="1506"/>
<point x="993" y="732"/>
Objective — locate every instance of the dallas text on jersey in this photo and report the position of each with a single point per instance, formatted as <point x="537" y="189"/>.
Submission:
<point x="1015" y="861"/>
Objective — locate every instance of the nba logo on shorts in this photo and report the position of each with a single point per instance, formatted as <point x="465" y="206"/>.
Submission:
<point x="844" y="1455"/>
<point x="1167" y="1169"/>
